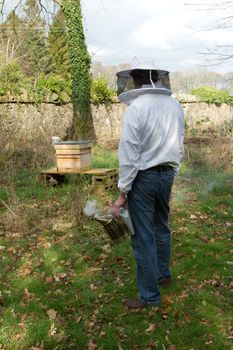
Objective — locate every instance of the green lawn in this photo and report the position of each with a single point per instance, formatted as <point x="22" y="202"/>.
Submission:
<point x="62" y="284"/>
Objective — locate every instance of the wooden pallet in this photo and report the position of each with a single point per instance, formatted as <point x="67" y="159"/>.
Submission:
<point x="105" y="182"/>
<point x="97" y="171"/>
<point x="102" y="178"/>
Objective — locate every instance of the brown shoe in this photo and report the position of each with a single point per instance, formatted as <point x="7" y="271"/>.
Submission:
<point x="165" y="282"/>
<point x="134" y="303"/>
<point x="137" y="304"/>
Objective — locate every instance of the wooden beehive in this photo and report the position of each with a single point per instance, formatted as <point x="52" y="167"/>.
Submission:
<point x="73" y="155"/>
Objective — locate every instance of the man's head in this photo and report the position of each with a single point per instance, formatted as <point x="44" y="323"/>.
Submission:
<point x="143" y="77"/>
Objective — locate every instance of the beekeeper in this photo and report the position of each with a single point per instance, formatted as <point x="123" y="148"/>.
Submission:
<point x="150" y="152"/>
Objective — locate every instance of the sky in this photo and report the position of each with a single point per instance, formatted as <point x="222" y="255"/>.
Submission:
<point x="174" y="33"/>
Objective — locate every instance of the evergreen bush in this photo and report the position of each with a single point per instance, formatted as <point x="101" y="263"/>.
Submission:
<point x="53" y="87"/>
<point x="13" y="80"/>
<point x="211" y="95"/>
<point x="101" y="93"/>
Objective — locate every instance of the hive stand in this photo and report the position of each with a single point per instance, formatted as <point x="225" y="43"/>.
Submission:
<point x="103" y="179"/>
<point x="106" y="181"/>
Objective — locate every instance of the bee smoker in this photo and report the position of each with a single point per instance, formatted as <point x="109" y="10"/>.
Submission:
<point x="115" y="228"/>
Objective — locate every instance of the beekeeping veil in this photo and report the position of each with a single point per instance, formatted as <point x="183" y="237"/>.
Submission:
<point x="143" y="77"/>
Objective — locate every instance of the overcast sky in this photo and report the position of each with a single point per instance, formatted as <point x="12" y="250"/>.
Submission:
<point x="173" y="32"/>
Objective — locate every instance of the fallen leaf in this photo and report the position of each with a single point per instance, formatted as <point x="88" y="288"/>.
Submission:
<point x="11" y="250"/>
<point x="152" y="327"/>
<point x="91" y="325"/>
<point x="46" y="245"/>
<point x="102" y="334"/>
<point x="52" y="314"/>
<point x="92" y="286"/>
<point x="91" y="345"/>
<point x="21" y="325"/>
<point x="53" y="329"/>
<point x="60" y="276"/>
<point x="18" y="336"/>
<point x="86" y="258"/>
<point x="167" y="300"/>
<point x="119" y="282"/>
<point x="171" y="347"/>
<point x="27" y="295"/>
<point x="193" y="217"/>
<point x="25" y="271"/>
<point x="79" y="319"/>
<point x="49" y="279"/>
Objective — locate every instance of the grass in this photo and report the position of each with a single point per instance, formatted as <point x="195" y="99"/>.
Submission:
<point x="62" y="285"/>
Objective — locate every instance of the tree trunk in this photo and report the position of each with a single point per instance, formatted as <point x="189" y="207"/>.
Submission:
<point x="82" y="128"/>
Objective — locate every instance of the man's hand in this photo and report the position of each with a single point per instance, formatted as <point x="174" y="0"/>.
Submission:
<point x="118" y="204"/>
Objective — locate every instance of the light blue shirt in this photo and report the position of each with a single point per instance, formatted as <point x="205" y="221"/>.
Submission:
<point x="152" y="134"/>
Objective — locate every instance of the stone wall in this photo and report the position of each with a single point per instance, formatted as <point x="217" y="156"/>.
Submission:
<point x="27" y="121"/>
<point x="204" y="115"/>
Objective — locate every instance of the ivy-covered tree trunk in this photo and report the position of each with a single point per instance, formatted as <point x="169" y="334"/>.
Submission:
<point x="83" y="128"/>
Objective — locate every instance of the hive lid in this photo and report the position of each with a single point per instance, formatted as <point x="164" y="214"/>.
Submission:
<point x="72" y="142"/>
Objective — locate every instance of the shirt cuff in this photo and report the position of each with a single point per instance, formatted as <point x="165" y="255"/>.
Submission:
<point x="123" y="189"/>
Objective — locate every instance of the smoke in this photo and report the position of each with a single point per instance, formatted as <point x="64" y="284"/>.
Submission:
<point x="90" y="209"/>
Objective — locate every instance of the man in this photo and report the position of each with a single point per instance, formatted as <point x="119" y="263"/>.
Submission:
<point x="150" y="152"/>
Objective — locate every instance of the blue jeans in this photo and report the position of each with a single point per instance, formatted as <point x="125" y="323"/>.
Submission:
<point x="149" y="208"/>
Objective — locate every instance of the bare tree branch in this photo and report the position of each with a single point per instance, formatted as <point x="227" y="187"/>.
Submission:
<point x="18" y="4"/>
<point x="2" y="3"/>
<point x="221" y="53"/>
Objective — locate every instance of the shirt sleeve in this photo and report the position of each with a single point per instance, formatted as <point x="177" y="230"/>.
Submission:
<point x="181" y="136"/>
<point x="181" y="139"/>
<point x="129" y="150"/>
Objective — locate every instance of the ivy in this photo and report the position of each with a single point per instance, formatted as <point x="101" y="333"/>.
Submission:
<point x="79" y="69"/>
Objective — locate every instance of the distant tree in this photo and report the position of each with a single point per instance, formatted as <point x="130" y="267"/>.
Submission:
<point x="12" y="38"/>
<point x="222" y="53"/>
<point x="184" y="82"/>
<point x="36" y="60"/>
<point x="107" y="72"/>
<point x="224" y="11"/>
<point x="228" y="81"/>
<point x="13" y="80"/>
<point x="58" y="46"/>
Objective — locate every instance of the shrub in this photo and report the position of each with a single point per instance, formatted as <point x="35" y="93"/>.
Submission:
<point x="13" y="80"/>
<point x="101" y="92"/>
<point x="211" y="95"/>
<point x="53" y="87"/>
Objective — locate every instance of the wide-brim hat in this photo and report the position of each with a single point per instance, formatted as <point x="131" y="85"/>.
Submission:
<point x="142" y="64"/>
<point x="125" y="84"/>
<point x="127" y="96"/>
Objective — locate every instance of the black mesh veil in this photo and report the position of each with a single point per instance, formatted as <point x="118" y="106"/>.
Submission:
<point x="135" y="79"/>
